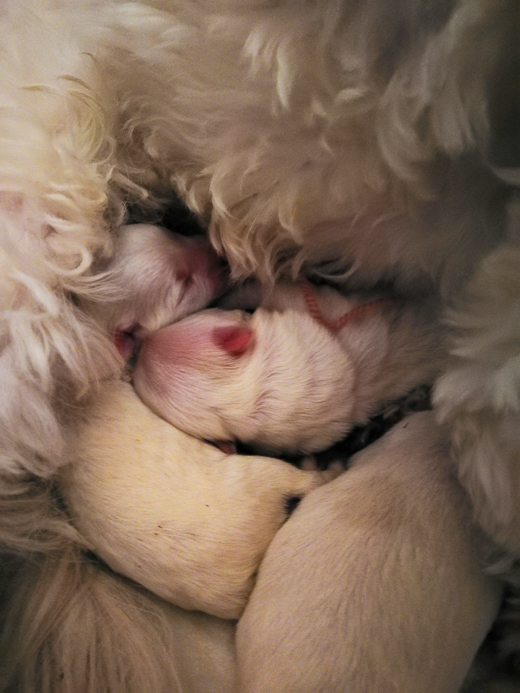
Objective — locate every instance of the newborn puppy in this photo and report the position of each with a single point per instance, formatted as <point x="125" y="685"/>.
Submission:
<point x="284" y="379"/>
<point x="171" y="512"/>
<point x="375" y="584"/>
<point x="156" y="277"/>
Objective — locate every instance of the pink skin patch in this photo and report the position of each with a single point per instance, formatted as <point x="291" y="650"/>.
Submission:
<point x="126" y="341"/>
<point x="226" y="446"/>
<point x="184" y="275"/>
<point x="199" y="259"/>
<point x="185" y="348"/>
<point x="235" y="340"/>
<point x="165" y="351"/>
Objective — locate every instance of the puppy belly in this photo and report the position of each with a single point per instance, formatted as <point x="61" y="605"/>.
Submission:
<point x="171" y="512"/>
<point x="372" y="586"/>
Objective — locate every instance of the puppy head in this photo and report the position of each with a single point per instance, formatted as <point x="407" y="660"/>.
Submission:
<point x="279" y="381"/>
<point x="157" y="277"/>
<point x="186" y="372"/>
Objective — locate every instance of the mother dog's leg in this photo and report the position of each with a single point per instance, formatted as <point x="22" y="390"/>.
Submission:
<point x="374" y="585"/>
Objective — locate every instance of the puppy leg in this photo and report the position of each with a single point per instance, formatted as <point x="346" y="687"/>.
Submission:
<point x="172" y="512"/>
<point x="373" y="585"/>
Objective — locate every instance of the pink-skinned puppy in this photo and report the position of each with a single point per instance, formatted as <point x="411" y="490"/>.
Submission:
<point x="154" y="278"/>
<point x="284" y="379"/>
<point x="171" y="512"/>
<point x="376" y="582"/>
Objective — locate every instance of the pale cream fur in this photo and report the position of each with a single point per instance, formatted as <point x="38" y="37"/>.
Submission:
<point x="74" y="625"/>
<point x="374" y="585"/>
<point x="153" y="278"/>
<point x="175" y="514"/>
<point x="479" y="395"/>
<point x="297" y="387"/>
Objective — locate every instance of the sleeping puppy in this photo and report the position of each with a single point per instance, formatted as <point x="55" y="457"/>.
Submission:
<point x="154" y="278"/>
<point x="350" y="131"/>
<point x="395" y="599"/>
<point x="374" y="585"/>
<point x="173" y="513"/>
<point x="296" y="375"/>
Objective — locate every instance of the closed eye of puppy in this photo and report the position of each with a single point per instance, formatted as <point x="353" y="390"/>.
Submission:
<point x="284" y="379"/>
<point x="154" y="278"/>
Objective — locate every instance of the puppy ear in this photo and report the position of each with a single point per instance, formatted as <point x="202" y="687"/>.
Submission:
<point x="233" y="339"/>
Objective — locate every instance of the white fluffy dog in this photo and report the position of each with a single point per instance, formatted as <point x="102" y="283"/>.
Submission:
<point x="351" y="134"/>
